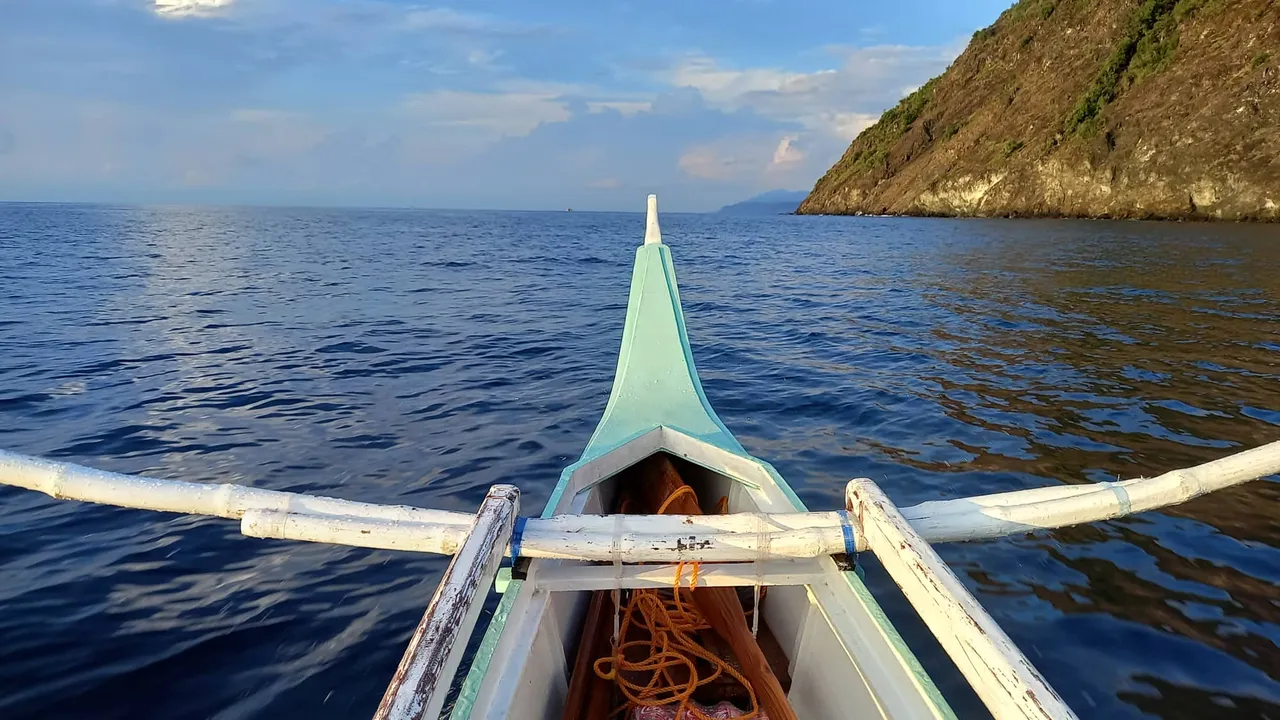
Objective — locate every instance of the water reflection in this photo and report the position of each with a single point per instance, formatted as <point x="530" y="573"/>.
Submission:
<point x="1121" y="356"/>
<point x="401" y="356"/>
<point x="948" y="358"/>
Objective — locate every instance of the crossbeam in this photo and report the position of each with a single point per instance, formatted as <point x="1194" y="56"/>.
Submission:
<point x="737" y="537"/>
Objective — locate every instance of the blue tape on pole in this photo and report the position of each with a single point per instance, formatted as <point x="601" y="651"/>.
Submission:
<point x="846" y="527"/>
<point x="517" y="534"/>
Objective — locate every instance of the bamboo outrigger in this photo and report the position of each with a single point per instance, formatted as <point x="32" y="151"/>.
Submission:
<point x="842" y="656"/>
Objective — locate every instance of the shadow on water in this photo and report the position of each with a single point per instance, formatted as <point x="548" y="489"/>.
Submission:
<point x="418" y="357"/>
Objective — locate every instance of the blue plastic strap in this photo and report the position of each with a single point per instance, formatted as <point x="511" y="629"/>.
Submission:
<point x="846" y="527"/>
<point x="517" y="534"/>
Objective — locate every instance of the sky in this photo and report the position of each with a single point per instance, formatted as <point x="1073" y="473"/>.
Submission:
<point x="511" y="104"/>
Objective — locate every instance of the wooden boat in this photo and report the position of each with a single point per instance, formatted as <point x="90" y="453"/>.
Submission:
<point x="845" y="658"/>
<point x="841" y="654"/>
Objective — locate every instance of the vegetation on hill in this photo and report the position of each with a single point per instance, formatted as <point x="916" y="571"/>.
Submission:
<point x="1097" y="108"/>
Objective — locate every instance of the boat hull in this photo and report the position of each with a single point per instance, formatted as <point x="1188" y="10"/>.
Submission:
<point x="844" y="657"/>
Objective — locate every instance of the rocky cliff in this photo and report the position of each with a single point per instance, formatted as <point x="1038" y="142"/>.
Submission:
<point x="1090" y="108"/>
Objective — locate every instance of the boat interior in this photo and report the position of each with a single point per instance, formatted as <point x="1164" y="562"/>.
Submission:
<point x="825" y="639"/>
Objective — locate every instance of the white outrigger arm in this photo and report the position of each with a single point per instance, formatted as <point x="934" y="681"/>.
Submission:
<point x="739" y="537"/>
<point x="780" y="548"/>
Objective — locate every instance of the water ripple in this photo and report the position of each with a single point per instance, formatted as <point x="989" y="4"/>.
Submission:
<point x="406" y="356"/>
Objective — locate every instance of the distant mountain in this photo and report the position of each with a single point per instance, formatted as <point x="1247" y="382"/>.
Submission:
<point x="774" y="202"/>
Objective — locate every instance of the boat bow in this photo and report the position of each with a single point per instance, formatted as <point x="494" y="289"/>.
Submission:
<point x="656" y="384"/>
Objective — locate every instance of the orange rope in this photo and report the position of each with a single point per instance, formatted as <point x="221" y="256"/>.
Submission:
<point x="672" y="643"/>
<point x="672" y="625"/>
<point x="682" y="490"/>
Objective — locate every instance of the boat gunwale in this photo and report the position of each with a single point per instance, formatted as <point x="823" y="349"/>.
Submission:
<point x="562" y="501"/>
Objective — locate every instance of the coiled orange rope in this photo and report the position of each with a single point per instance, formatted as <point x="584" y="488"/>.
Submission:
<point x="683" y="490"/>
<point x="672" y="624"/>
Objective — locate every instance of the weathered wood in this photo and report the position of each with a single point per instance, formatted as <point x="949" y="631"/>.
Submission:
<point x="418" y="689"/>
<point x="747" y="523"/>
<point x="693" y="541"/>
<point x="660" y="484"/>
<point x="376" y="533"/>
<point x="585" y="700"/>
<point x="69" y="481"/>
<point x="725" y="687"/>
<point x="1023" y="511"/>
<point x="678" y="538"/>
<point x="1001" y="675"/>
<point x="692" y="544"/>
<point x="734" y="538"/>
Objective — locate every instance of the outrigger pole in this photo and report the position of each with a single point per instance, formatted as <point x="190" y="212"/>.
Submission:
<point x="738" y="537"/>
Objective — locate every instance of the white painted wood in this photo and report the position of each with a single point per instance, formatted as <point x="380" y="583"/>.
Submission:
<point x="743" y="470"/>
<point x="999" y="673"/>
<point x="354" y="531"/>
<point x="1040" y="508"/>
<point x="965" y="518"/>
<point x="670" y="440"/>
<point x="725" y="538"/>
<point x="729" y="524"/>
<point x="418" y="690"/>
<point x="66" y="481"/>
<point x="552" y="657"/>
<point x="876" y="679"/>
<point x="822" y="664"/>
<point x="507" y="674"/>
<point x="566" y="611"/>
<point x="652" y="234"/>
<point x="574" y="576"/>
<point x="878" y="661"/>
<point x="703" y="543"/>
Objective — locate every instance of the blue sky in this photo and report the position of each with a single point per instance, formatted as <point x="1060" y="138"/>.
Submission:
<point x="537" y="105"/>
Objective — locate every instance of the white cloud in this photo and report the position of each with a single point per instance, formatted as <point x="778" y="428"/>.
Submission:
<point x="727" y="87"/>
<point x="449" y="20"/>
<point x="716" y="130"/>
<point x="847" y="125"/>
<point x="190" y="8"/>
<point x="446" y="19"/>
<point x="446" y="126"/>
<point x="753" y="161"/>
<point x="264" y="133"/>
<point x="538" y="87"/>
<point x="819" y="112"/>
<point x="499" y="113"/>
<point x="257" y="115"/>
<point x="625" y="107"/>
<point x="787" y="153"/>
<point x="705" y="162"/>
<point x="744" y="159"/>
<point x="839" y="102"/>
<point x="482" y="57"/>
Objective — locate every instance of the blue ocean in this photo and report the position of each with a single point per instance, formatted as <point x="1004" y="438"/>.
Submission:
<point x="417" y="357"/>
